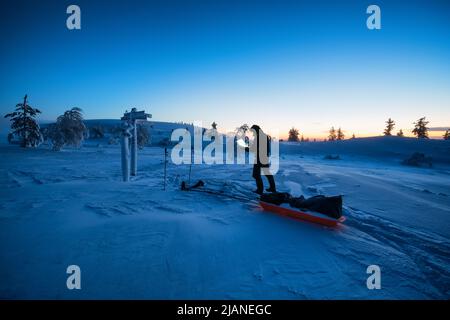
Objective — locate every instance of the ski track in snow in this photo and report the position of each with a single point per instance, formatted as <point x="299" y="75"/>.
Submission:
<point x="429" y="251"/>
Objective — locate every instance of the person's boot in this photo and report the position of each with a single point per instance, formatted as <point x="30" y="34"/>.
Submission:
<point x="260" y="192"/>
<point x="259" y="185"/>
<point x="272" y="187"/>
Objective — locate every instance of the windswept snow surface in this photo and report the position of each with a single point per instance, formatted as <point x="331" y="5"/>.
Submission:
<point x="134" y="240"/>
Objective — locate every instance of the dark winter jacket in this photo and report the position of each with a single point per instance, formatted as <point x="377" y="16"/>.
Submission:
<point x="261" y="148"/>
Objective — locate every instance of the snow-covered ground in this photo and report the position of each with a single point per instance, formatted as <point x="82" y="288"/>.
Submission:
<point x="135" y="240"/>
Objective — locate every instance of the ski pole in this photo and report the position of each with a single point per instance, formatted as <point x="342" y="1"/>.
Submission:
<point x="165" y="167"/>
<point x="190" y="168"/>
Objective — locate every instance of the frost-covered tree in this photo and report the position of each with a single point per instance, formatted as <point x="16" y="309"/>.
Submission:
<point x="116" y="131"/>
<point x="55" y="135"/>
<point x="293" y="135"/>
<point x="143" y="137"/>
<point x="447" y="135"/>
<point x="389" y="127"/>
<point x="69" y="129"/>
<point x="420" y="128"/>
<point x="400" y="133"/>
<point x="96" y="132"/>
<point x="340" y="134"/>
<point x="332" y="134"/>
<point x="71" y="124"/>
<point x="24" y="124"/>
<point x="212" y="132"/>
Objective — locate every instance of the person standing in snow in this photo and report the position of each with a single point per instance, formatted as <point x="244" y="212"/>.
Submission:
<point x="261" y="149"/>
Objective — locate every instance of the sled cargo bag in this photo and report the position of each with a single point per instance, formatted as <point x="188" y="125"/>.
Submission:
<point x="330" y="206"/>
<point x="275" y="197"/>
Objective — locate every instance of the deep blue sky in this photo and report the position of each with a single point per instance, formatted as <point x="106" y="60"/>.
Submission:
<point x="309" y="64"/>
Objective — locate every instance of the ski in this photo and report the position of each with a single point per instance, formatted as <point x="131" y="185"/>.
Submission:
<point x="199" y="186"/>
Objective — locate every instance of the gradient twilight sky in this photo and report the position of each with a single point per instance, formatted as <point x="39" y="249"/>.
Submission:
<point x="308" y="64"/>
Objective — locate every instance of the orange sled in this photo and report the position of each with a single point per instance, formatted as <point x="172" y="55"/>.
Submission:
<point x="302" y="215"/>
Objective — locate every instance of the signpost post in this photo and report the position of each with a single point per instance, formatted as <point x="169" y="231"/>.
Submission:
<point x="132" y="117"/>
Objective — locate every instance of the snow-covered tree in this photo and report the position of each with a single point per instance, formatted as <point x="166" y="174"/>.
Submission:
<point x="69" y="129"/>
<point x="400" y="133"/>
<point x="389" y="127"/>
<point x="55" y="135"/>
<point x="97" y="132"/>
<point x="143" y="137"/>
<point x="72" y="125"/>
<point x="116" y="131"/>
<point x="420" y="128"/>
<point x="24" y="124"/>
<point x="211" y="133"/>
<point x="293" y="135"/>
<point x="332" y="134"/>
<point x="340" y="134"/>
<point x="447" y="135"/>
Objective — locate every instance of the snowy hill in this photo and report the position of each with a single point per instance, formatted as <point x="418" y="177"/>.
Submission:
<point x="394" y="148"/>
